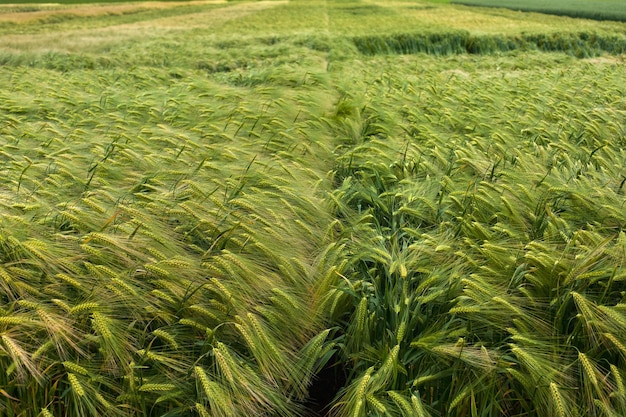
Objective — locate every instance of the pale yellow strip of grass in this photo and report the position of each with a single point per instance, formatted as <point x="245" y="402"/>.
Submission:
<point x="606" y="60"/>
<point x="88" y="10"/>
<point x="94" y="39"/>
<point x="480" y="21"/>
<point x="211" y="18"/>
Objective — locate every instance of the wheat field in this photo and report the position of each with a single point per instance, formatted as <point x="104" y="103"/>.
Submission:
<point x="310" y="208"/>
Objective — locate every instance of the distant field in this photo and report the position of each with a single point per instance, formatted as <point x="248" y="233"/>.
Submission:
<point x="77" y="1"/>
<point x="590" y="9"/>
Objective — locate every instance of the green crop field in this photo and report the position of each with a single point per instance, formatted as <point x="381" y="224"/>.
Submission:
<point x="590" y="9"/>
<point x="311" y="208"/>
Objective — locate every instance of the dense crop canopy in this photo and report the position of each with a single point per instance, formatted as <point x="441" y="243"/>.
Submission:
<point x="291" y="208"/>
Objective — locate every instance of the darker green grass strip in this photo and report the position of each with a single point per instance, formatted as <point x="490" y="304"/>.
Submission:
<point x="596" y="10"/>
<point x="581" y="45"/>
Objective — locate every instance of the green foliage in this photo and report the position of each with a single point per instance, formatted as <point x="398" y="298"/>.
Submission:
<point x="460" y="42"/>
<point x="479" y="262"/>
<point x="204" y="218"/>
<point x="151" y="242"/>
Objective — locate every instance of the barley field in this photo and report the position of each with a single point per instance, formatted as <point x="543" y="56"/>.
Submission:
<point x="589" y="9"/>
<point x="311" y="208"/>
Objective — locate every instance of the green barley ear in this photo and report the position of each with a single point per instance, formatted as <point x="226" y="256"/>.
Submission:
<point x="45" y="413"/>
<point x="460" y="397"/>
<point x="401" y="331"/>
<point x="219" y="399"/>
<point x="75" y="368"/>
<point x="588" y="370"/>
<point x="405" y="407"/>
<point x="75" y="384"/>
<point x="157" y="387"/>
<point x="418" y="406"/>
<point x="352" y="401"/>
<point x="377" y="404"/>
<point x="605" y="407"/>
<point x="202" y="411"/>
<point x="170" y="339"/>
<point x="557" y="400"/>
<point x="619" y="382"/>
<point x="226" y="365"/>
<point x="20" y="358"/>
<point x="314" y="354"/>
<point x="616" y="343"/>
<point x="360" y="324"/>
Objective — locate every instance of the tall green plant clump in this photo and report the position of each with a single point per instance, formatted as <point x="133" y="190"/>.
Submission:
<point x="484" y="244"/>
<point x="581" y="45"/>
